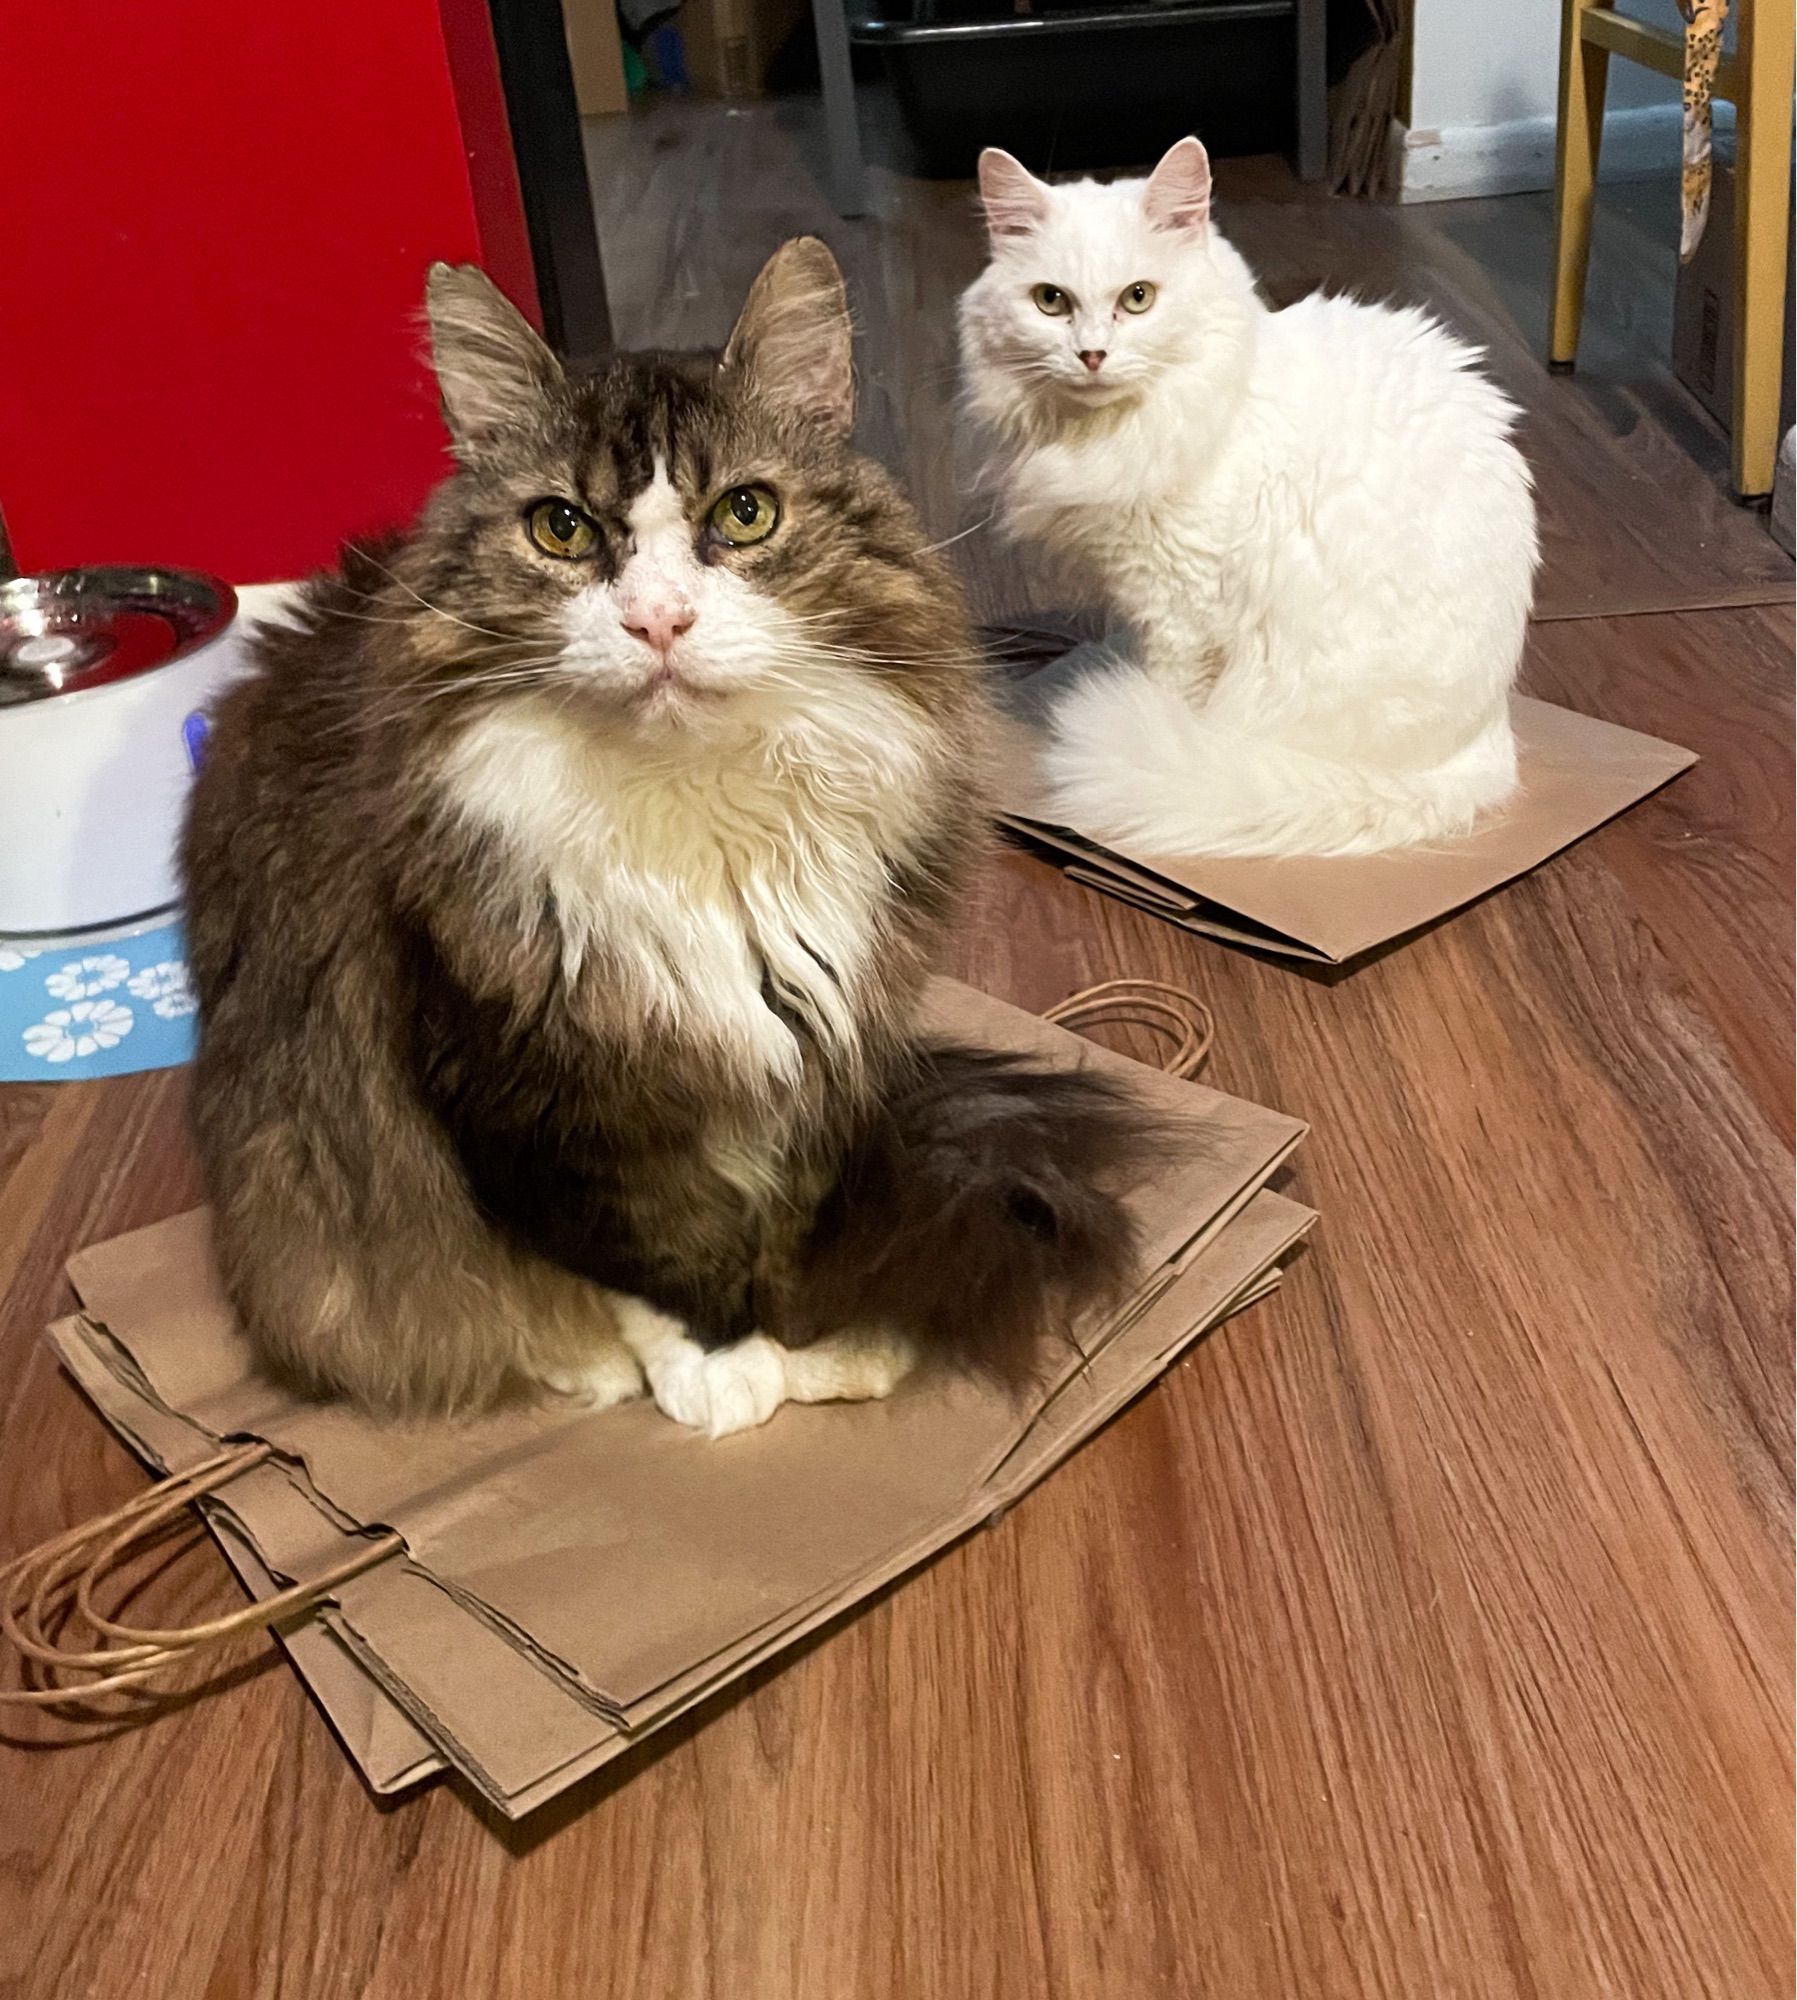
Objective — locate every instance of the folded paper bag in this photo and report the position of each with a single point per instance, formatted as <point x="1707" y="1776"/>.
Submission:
<point x="794" y="1507"/>
<point x="606" y="1571"/>
<point x="440" y="1684"/>
<point x="1576" y="772"/>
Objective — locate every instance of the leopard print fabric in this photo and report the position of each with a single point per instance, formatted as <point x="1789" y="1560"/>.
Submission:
<point x="1703" y="53"/>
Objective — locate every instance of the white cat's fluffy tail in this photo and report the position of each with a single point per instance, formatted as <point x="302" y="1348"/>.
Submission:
<point x="1131" y="760"/>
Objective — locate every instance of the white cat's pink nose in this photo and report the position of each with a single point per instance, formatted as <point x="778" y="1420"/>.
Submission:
<point x="659" y="621"/>
<point x="1093" y="357"/>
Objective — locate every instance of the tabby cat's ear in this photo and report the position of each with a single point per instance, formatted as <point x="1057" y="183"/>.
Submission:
<point x="493" y="368"/>
<point x="792" y="340"/>
<point x="1014" y="200"/>
<point x="1178" y="192"/>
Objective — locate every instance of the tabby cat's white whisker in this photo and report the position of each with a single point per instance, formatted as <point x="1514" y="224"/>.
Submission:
<point x="454" y="618"/>
<point x="403" y="619"/>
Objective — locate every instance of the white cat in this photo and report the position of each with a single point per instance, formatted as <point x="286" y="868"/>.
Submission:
<point x="1313" y="522"/>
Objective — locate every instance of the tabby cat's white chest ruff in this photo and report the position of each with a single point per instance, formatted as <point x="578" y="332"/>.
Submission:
<point x="715" y="887"/>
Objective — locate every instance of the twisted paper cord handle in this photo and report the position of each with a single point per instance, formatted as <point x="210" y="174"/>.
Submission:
<point x="69" y="1568"/>
<point x="1181" y="1017"/>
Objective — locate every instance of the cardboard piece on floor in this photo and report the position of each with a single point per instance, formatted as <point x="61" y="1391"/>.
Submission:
<point x="1576" y="773"/>
<point x="606" y="1571"/>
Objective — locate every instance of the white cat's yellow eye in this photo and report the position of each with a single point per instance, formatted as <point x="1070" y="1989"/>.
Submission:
<point x="744" y="515"/>
<point x="561" y="530"/>
<point x="1052" y="300"/>
<point x="1136" y="298"/>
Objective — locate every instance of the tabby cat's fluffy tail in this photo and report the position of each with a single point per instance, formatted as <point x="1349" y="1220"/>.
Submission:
<point x="982" y="1211"/>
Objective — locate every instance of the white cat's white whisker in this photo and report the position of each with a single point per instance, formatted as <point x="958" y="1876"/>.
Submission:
<point x="948" y="541"/>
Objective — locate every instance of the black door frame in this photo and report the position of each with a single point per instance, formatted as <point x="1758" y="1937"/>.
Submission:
<point x="544" y="114"/>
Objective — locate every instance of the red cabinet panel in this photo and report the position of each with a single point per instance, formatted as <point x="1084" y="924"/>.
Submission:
<point x="218" y="219"/>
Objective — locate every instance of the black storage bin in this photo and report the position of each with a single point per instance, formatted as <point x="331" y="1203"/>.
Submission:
<point x="1077" y="84"/>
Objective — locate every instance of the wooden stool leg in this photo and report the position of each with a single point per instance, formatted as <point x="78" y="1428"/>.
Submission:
<point x="1584" y="70"/>
<point x="1762" y="220"/>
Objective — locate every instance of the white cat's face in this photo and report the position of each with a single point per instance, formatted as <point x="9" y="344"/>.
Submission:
<point x="1092" y="290"/>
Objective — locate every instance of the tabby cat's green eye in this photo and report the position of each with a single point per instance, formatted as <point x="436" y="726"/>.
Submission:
<point x="560" y="529"/>
<point x="1052" y="300"/>
<point x="744" y="515"/>
<point x="1136" y="298"/>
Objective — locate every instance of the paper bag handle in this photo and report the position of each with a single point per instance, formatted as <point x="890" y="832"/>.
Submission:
<point x="1171" y="1011"/>
<point x="69" y="1568"/>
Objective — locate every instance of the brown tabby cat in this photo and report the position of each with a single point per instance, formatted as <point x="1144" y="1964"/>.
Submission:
<point x="560" y="891"/>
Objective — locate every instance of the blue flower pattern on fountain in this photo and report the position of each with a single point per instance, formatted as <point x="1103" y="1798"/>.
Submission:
<point x="105" y="1008"/>
<point x="78" y="1030"/>
<point x="167" y="988"/>
<point x="82" y="978"/>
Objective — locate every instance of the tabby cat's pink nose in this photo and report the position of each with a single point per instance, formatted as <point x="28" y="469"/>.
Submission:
<point x="660" y="621"/>
<point x="1093" y="357"/>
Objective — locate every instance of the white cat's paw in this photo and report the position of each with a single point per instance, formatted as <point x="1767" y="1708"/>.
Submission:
<point x="611" y="1376"/>
<point x="728" y="1389"/>
<point x="849" y="1368"/>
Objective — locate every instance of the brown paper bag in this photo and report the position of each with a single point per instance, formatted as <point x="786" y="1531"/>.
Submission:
<point x="1576" y="773"/>
<point x="411" y="1679"/>
<point x="573" y="1579"/>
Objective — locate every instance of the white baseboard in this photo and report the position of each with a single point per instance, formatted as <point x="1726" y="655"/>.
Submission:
<point x="1453" y="162"/>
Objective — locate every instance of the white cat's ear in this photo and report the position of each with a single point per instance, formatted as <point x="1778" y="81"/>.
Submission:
<point x="494" y="369"/>
<point x="1178" y="192"/>
<point x="1014" y="200"/>
<point x="793" y="337"/>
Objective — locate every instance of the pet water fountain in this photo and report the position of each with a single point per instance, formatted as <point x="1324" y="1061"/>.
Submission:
<point x="105" y="678"/>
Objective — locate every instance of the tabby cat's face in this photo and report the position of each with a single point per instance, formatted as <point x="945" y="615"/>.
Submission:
<point x="676" y="544"/>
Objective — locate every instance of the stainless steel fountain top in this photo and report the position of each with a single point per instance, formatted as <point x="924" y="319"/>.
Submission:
<point x="81" y="628"/>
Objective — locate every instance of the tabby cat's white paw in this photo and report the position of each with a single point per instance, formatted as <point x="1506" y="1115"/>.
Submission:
<point x="728" y="1389"/>
<point x="849" y="1368"/>
<point x="597" y="1383"/>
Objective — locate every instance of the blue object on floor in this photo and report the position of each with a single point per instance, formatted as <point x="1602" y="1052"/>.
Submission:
<point x="667" y="56"/>
<point x="106" y="1003"/>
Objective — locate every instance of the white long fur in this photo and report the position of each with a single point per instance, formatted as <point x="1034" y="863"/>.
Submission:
<point x="697" y="838"/>
<point x="1314" y="523"/>
<point x="690" y="865"/>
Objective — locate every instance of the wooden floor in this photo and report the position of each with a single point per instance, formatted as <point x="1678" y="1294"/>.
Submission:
<point x="1425" y="1636"/>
